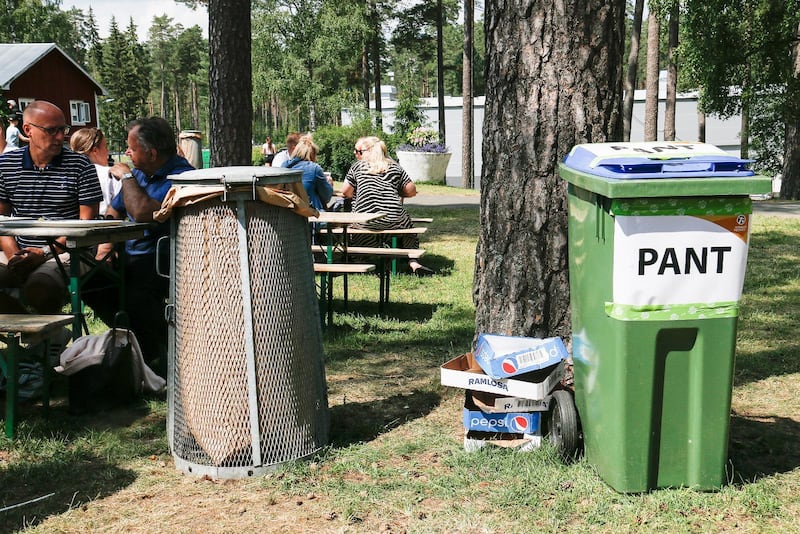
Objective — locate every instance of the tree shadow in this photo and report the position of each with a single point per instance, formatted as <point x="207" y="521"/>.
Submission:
<point x="364" y="421"/>
<point x="760" y="365"/>
<point x="762" y="446"/>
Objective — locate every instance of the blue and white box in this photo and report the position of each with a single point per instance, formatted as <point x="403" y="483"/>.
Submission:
<point x="514" y="423"/>
<point x="505" y="356"/>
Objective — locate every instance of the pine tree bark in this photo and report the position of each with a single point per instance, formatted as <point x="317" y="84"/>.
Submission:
<point x="672" y="75"/>
<point x="230" y="85"/>
<point x="467" y="118"/>
<point x="553" y="80"/>
<point x="632" y="70"/>
<point x="790" y="182"/>
<point x="651" y="84"/>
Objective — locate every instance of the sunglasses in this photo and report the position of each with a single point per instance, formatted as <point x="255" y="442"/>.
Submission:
<point x="359" y="152"/>
<point x="54" y="130"/>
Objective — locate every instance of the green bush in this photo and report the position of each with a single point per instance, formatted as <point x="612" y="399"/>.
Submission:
<point x="336" y="144"/>
<point x="257" y="158"/>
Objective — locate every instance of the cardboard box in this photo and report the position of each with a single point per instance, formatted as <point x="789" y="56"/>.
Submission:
<point x="513" y="423"/>
<point x="491" y="403"/>
<point x="507" y="356"/>
<point x="464" y="372"/>
<point x="474" y="440"/>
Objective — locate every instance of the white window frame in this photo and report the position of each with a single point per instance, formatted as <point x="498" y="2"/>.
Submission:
<point x="23" y="103"/>
<point x="80" y="112"/>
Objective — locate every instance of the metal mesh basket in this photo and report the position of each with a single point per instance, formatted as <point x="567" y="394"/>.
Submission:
<point x="247" y="377"/>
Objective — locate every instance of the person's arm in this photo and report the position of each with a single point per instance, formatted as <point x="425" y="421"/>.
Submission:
<point x="2" y="137"/>
<point x="409" y="190"/>
<point x="138" y="203"/>
<point x="324" y="187"/>
<point x="347" y="190"/>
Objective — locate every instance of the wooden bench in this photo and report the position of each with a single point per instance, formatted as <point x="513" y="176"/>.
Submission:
<point x="417" y="220"/>
<point x="390" y="235"/>
<point x="328" y="270"/>
<point x="30" y="330"/>
<point x="381" y="253"/>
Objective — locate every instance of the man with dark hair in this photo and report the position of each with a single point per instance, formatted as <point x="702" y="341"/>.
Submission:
<point x="153" y="152"/>
<point x="43" y="180"/>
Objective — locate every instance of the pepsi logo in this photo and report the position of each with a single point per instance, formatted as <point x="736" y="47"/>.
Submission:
<point x="509" y="366"/>
<point x="518" y="424"/>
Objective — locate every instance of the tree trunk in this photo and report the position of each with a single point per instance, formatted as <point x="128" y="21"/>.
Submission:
<point x="376" y="67"/>
<point x="365" y="76"/>
<point x="195" y="106"/>
<point x="553" y="79"/>
<point x="744" y="134"/>
<point x="701" y="126"/>
<point x="672" y="74"/>
<point x="230" y="85"/>
<point x="632" y="71"/>
<point x="790" y="182"/>
<point x="467" y="127"/>
<point x="651" y="98"/>
<point x="440" y="70"/>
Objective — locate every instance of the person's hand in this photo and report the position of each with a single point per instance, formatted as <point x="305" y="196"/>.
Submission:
<point x="118" y="170"/>
<point x="26" y="261"/>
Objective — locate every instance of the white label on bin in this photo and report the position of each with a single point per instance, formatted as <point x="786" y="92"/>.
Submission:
<point x="679" y="260"/>
<point x="651" y="150"/>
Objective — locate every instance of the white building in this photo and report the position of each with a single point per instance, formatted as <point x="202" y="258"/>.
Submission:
<point x="719" y="132"/>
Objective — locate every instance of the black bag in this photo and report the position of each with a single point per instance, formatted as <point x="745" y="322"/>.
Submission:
<point x="110" y="383"/>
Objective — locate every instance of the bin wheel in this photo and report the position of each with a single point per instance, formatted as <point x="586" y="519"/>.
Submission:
<point x="563" y="426"/>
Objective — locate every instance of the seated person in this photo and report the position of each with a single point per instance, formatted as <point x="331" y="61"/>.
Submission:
<point x="153" y="152"/>
<point x="92" y="143"/>
<point x="43" y="180"/>
<point x="377" y="184"/>
<point x="318" y="187"/>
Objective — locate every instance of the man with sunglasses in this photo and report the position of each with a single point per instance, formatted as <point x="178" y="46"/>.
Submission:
<point x="48" y="181"/>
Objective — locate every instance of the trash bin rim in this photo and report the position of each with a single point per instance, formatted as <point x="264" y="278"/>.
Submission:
<point x="238" y="174"/>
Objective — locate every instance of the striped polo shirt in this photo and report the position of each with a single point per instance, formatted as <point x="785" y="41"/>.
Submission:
<point x="55" y="192"/>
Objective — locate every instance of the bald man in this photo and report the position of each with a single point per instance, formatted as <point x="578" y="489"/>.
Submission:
<point x="43" y="180"/>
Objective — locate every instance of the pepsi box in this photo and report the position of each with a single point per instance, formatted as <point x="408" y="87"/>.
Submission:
<point x="514" y="422"/>
<point x="507" y="356"/>
<point x="464" y="372"/>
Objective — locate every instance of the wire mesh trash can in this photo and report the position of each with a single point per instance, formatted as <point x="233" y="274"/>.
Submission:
<point x="246" y="380"/>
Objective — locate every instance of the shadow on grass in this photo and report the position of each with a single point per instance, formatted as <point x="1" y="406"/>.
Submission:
<point x="55" y="455"/>
<point x="763" y="446"/>
<point x="364" y="421"/>
<point x="84" y="478"/>
<point x="762" y="365"/>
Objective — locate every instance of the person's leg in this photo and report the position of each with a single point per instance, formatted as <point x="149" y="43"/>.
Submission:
<point x="145" y="296"/>
<point x="45" y="289"/>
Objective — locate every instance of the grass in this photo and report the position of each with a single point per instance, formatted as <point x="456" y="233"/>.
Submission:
<point x="396" y="461"/>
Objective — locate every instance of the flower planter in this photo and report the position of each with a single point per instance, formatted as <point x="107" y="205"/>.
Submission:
<point x="424" y="166"/>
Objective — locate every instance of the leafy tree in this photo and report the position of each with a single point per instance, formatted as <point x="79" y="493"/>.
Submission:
<point x="124" y="74"/>
<point x="162" y="36"/>
<point x="751" y="43"/>
<point x="41" y="21"/>
<point x="536" y="112"/>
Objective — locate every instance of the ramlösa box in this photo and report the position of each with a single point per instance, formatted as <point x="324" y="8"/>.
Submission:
<point x="507" y="356"/>
<point x="464" y="372"/>
<point x="493" y="403"/>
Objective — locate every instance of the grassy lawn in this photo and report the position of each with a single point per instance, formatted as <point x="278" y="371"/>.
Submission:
<point x="396" y="462"/>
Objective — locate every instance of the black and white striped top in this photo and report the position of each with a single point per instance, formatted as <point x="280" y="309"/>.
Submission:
<point x="375" y="193"/>
<point x="54" y="192"/>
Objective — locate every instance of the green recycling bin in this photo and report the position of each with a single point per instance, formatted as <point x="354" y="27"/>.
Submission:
<point x="658" y="240"/>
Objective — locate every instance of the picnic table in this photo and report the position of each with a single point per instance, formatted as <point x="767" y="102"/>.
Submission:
<point x="81" y="237"/>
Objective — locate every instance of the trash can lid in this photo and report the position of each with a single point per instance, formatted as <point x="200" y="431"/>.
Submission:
<point x="656" y="159"/>
<point x="238" y="176"/>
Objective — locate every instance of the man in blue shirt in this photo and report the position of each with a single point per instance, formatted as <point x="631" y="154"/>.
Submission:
<point x="153" y="153"/>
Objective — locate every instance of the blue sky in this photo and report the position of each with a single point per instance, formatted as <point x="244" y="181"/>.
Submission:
<point x="142" y="12"/>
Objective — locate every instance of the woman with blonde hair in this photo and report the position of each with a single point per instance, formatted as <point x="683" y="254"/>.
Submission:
<point x="317" y="185"/>
<point x="92" y="143"/>
<point x="376" y="183"/>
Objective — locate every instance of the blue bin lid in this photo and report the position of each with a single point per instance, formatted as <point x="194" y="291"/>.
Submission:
<point x="655" y="159"/>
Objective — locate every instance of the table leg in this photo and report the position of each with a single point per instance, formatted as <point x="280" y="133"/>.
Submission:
<point x="12" y="383"/>
<point x="394" y="260"/>
<point x="75" y="293"/>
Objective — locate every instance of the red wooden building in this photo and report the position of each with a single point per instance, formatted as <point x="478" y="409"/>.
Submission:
<point x="42" y="71"/>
